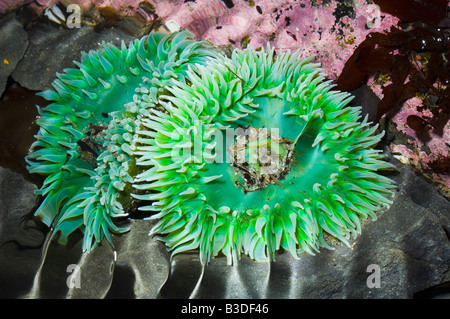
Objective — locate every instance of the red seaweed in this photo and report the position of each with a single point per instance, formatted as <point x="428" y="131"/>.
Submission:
<point x="430" y="12"/>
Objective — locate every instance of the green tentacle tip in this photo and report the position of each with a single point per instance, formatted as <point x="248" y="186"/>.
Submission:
<point x="250" y="154"/>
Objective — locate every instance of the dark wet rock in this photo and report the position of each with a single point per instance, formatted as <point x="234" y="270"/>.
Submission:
<point x="53" y="49"/>
<point x="13" y="44"/>
<point x="17" y="200"/>
<point x="20" y="235"/>
<point x="18" y="266"/>
<point x="142" y="265"/>
<point x="137" y="267"/>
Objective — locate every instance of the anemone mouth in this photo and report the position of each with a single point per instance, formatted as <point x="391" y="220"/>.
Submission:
<point x="260" y="157"/>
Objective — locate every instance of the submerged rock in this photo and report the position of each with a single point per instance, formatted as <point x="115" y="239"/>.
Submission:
<point x="13" y="44"/>
<point x="17" y="200"/>
<point x="20" y="235"/>
<point x="49" y="44"/>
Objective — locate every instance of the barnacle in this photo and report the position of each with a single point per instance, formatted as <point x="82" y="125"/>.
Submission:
<point x="255" y="153"/>
<point x="243" y="154"/>
<point x="85" y="138"/>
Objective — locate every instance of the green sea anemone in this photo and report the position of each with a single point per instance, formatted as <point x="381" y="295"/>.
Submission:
<point x="84" y="142"/>
<point x="255" y="153"/>
<point x="247" y="154"/>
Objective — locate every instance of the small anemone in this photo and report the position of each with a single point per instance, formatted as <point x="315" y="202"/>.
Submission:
<point x="255" y="153"/>
<point x="84" y="143"/>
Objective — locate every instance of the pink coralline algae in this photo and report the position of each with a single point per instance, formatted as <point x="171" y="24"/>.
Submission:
<point x="426" y="149"/>
<point x="318" y="28"/>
